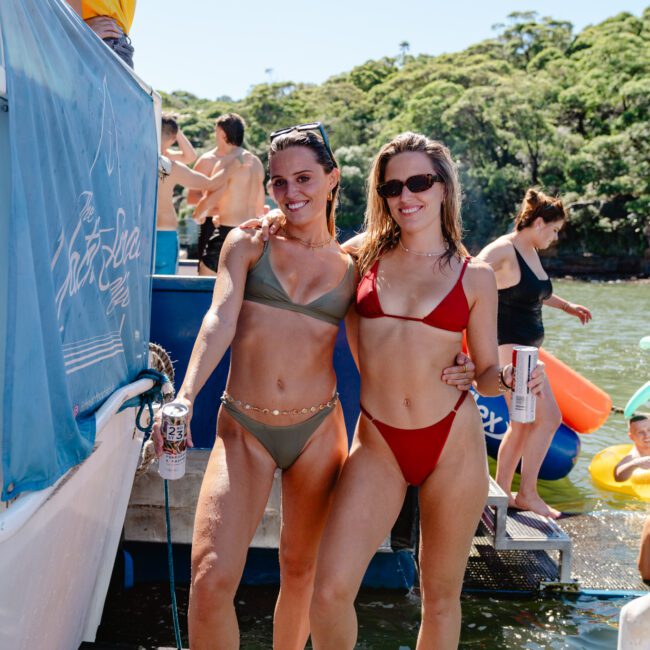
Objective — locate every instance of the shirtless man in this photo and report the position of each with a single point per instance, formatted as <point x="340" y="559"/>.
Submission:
<point x="639" y="456"/>
<point x="239" y="196"/>
<point x="174" y="172"/>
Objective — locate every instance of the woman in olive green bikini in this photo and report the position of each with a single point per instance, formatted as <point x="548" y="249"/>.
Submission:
<point x="277" y="304"/>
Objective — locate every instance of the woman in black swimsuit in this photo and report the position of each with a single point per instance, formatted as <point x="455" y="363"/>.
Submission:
<point x="523" y="288"/>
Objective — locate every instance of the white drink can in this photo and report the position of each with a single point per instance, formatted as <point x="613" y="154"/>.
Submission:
<point x="171" y="464"/>
<point x="522" y="400"/>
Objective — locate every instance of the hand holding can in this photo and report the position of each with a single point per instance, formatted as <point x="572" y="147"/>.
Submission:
<point x="522" y="401"/>
<point x="173" y="429"/>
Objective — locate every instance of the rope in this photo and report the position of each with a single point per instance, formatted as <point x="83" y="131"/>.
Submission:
<point x="162" y="391"/>
<point x="159" y="392"/>
<point x="170" y="562"/>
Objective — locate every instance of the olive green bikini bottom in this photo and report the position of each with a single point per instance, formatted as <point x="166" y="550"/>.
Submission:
<point x="284" y="443"/>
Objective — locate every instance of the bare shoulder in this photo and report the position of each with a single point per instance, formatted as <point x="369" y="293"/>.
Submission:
<point x="498" y="251"/>
<point x="480" y="274"/>
<point x="206" y="160"/>
<point x="248" y="159"/>
<point x="246" y="242"/>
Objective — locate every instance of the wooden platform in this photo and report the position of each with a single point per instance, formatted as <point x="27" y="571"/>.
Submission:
<point x="513" y="551"/>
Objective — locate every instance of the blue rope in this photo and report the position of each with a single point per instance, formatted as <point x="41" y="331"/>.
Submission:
<point x="170" y="561"/>
<point x="147" y="399"/>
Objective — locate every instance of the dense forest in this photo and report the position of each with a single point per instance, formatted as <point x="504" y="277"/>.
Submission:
<point x="537" y="105"/>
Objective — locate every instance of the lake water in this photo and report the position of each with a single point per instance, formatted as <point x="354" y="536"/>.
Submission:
<point x="606" y="351"/>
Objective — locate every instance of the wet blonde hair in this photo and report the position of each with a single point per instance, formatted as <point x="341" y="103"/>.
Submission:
<point x="382" y="231"/>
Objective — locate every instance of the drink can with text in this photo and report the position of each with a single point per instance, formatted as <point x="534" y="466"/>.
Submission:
<point x="522" y="400"/>
<point x="171" y="464"/>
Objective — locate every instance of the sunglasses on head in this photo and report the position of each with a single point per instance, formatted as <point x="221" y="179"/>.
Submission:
<point x="415" y="184"/>
<point x="312" y="126"/>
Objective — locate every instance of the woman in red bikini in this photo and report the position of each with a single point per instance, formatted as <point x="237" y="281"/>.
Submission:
<point x="419" y="291"/>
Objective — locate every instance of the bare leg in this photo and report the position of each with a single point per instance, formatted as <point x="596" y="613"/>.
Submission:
<point x="307" y="488"/>
<point x="233" y="495"/>
<point x="510" y="452"/>
<point x="529" y="443"/>
<point x="367" y="500"/>
<point x="450" y="508"/>
<point x="539" y="436"/>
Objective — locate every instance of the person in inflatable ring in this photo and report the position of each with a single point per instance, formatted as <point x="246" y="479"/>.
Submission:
<point x="639" y="456"/>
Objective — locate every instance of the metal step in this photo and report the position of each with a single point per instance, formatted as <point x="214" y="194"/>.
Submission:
<point x="527" y="531"/>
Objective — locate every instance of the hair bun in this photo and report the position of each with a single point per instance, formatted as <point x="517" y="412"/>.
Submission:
<point x="532" y="197"/>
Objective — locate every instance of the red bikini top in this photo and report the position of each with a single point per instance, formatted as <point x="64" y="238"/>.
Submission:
<point x="451" y="313"/>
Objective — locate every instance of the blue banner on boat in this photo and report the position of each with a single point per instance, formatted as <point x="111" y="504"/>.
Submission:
<point x="83" y="158"/>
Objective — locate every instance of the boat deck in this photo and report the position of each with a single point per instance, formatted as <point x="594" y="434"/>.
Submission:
<point x="521" y="552"/>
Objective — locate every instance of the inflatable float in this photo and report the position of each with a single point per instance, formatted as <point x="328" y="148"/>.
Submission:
<point x="639" y="398"/>
<point x="602" y="467"/>
<point x="584" y="406"/>
<point x="562" y="454"/>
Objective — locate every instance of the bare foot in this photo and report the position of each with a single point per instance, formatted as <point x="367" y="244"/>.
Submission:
<point x="512" y="502"/>
<point x="536" y="504"/>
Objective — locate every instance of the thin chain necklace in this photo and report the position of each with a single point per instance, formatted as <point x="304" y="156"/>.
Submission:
<point x="408" y="250"/>
<point x="307" y="244"/>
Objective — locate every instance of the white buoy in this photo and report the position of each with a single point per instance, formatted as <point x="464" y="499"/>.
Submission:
<point x="634" y="625"/>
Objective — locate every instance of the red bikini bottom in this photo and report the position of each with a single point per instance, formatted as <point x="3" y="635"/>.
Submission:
<point x="417" y="450"/>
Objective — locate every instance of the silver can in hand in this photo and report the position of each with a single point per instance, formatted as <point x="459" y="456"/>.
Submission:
<point x="174" y="433"/>
<point x="522" y="400"/>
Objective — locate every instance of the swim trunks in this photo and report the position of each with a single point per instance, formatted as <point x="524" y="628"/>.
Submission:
<point x="166" y="252"/>
<point x="212" y="249"/>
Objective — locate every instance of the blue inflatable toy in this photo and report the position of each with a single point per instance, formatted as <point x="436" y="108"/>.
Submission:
<point x="562" y="454"/>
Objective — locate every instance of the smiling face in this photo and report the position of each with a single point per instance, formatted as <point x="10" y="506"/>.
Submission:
<point x="300" y="184"/>
<point x="546" y="233"/>
<point x="639" y="433"/>
<point x="414" y="211"/>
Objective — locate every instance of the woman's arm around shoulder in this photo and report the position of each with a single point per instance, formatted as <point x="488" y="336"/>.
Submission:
<point x="353" y="244"/>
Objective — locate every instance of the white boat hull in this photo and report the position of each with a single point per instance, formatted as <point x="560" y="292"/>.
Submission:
<point x="56" y="561"/>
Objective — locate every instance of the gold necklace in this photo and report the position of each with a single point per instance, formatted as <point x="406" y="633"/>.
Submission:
<point x="307" y="244"/>
<point x="408" y="250"/>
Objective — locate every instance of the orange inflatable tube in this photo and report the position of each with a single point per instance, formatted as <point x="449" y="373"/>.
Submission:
<point x="584" y="406"/>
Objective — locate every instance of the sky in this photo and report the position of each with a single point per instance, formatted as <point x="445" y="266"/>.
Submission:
<point x="213" y="48"/>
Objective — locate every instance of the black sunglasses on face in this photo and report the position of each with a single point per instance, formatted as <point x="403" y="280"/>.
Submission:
<point x="415" y="184"/>
<point x="312" y="126"/>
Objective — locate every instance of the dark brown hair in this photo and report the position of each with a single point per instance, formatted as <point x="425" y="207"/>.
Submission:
<point x="324" y="158"/>
<point x="168" y="124"/>
<point x="537" y="204"/>
<point x="233" y="126"/>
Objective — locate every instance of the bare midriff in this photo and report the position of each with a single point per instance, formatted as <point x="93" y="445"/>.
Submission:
<point x="281" y="360"/>
<point x="401" y="364"/>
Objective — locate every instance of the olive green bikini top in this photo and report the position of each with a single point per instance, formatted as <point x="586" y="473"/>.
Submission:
<point x="263" y="286"/>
